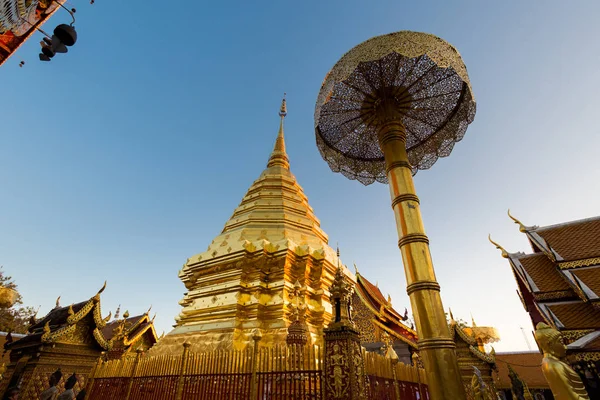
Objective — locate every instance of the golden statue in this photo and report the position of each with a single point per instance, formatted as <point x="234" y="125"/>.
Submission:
<point x="564" y="382"/>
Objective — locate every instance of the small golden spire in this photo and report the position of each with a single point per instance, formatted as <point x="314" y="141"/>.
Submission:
<point x="126" y="314"/>
<point x="522" y="228"/>
<point x="355" y="269"/>
<point x="473" y="324"/>
<point x="279" y="156"/>
<point x="504" y="252"/>
<point x="58" y="302"/>
<point x="451" y="316"/>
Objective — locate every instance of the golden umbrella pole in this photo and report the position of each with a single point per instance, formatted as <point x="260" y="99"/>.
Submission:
<point x="391" y="106"/>
<point x="436" y="347"/>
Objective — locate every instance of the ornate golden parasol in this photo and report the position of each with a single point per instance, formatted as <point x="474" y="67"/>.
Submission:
<point x="389" y="107"/>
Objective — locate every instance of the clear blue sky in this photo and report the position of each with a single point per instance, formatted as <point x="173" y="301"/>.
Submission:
<point x="124" y="157"/>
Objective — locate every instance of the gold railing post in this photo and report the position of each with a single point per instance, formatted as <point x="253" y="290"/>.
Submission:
<point x="415" y="358"/>
<point x="254" y="377"/>
<point x="182" y="370"/>
<point x="133" y="371"/>
<point x="90" y="384"/>
<point x="394" y="363"/>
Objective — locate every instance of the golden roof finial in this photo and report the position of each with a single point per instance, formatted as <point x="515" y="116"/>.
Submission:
<point x="279" y="156"/>
<point x="355" y="269"/>
<point x="522" y="228"/>
<point x="283" y="108"/>
<point x="126" y="314"/>
<point x="58" y="302"/>
<point x="389" y="299"/>
<point x="473" y="324"/>
<point x="504" y="252"/>
<point x="451" y="316"/>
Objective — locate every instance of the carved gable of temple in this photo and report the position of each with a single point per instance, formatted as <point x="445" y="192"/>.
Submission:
<point x="379" y="323"/>
<point x="470" y="352"/>
<point x="71" y="338"/>
<point x="559" y="284"/>
<point x="245" y="279"/>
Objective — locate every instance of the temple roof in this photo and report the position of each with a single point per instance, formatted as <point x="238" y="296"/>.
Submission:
<point x="386" y="317"/>
<point x="526" y="364"/>
<point x="273" y="214"/>
<point x="560" y="282"/>
<point x="61" y="322"/>
<point x="570" y="241"/>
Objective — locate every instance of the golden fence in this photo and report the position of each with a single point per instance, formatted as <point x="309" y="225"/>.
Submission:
<point x="277" y="373"/>
<point x="390" y="379"/>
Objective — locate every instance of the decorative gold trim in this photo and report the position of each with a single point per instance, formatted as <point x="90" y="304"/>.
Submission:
<point x="454" y="328"/>
<point x="101" y="340"/>
<point x="413" y="238"/>
<point x="489" y="358"/>
<point x="132" y="340"/>
<point x="98" y="319"/>
<point x="554" y="295"/>
<point x="579" y="263"/>
<point x="592" y="356"/>
<point x="49" y="337"/>
<point x="571" y="336"/>
<point x="74" y="318"/>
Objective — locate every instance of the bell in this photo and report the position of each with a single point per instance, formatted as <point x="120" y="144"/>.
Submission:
<point x="66" y="34"/>
<point x="44" y="57"/>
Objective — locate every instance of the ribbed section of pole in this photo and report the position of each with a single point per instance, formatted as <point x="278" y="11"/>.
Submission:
<point x="435" y="344"/>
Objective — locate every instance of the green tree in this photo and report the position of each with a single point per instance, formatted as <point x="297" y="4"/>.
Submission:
<point x="16" y="318"/>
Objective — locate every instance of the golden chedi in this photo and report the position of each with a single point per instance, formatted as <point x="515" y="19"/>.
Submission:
<point x="244" y="281"/>
<point x="564" y="382"/>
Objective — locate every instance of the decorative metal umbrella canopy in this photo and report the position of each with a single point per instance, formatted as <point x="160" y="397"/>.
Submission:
<point x="426" y="79"/>
<point x="389" y="107"/>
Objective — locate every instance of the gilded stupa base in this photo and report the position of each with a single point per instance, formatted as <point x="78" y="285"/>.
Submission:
<point x="203" y="342"/>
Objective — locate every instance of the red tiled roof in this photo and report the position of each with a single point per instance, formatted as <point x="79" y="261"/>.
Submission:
<point x="526" y="365"/>
<point x="577" y="315"/>
<point x="591" y="278"/>
<point x="108" y="329"/>
<point x="574" y="240"/>
<point x="375" y="296"/>
<point x="544" y="273"/>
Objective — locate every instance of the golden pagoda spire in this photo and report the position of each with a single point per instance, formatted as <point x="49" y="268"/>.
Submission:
<point x="279" y="156"/>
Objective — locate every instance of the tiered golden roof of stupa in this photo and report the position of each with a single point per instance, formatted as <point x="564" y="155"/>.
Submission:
<point x="243" y="281"/>
<point x="274" y="212"/>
